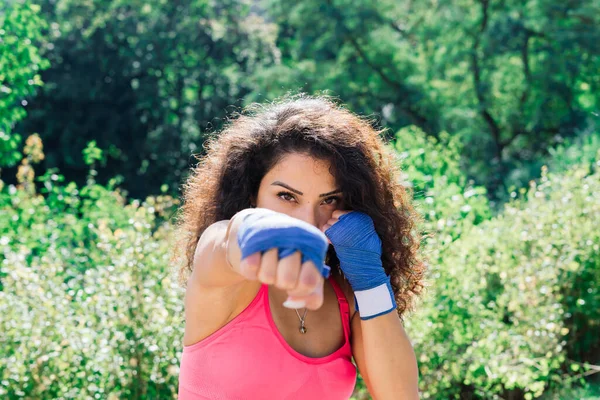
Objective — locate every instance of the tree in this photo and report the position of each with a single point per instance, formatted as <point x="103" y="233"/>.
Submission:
<point x="144" y="79"/>
<point x="20" y="66"/>
<point x="510" y="78"/>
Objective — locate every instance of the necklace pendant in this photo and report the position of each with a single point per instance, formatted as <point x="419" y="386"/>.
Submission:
<point x="302" y="329"/>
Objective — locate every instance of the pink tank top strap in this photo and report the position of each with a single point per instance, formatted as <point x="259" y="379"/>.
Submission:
<point x="344" y="308"/>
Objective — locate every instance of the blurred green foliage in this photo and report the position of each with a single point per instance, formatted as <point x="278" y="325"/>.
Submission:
<point x="144" y="79"/>
<point x="20" y="66"/>
<point x="513" y="302"/>
<point x="148" y="79"/>
<point x="431" y="169"/>
<point x="90" y="308"/>
<point x="511" y="78"/>
<point x="512" y="308"/>
<point x="479" y="96"/>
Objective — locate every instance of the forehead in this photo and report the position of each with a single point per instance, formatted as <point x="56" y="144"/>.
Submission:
<point x="302" y="168"/>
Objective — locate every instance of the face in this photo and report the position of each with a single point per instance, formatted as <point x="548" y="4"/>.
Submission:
<point x="302" y="187"/>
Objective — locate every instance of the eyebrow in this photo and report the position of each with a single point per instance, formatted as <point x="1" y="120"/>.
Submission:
<point x="279" y="183"/>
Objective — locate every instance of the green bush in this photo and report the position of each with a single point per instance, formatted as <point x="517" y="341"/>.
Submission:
<point x="513" y="307"/>
<point x="90" y="308"/>
<point x="583" y="149"/>
<point x="586" y="392"/>
<point x="578" y="150"/>
<point x="448" y="202"/>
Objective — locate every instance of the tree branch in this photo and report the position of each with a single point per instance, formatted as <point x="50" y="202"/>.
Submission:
<point x="413" y="115"/>
<point x="517" y="131"/>
<point x="479" y="91"/>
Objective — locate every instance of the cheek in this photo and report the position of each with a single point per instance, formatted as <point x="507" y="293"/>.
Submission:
<point x="274" y="203"/>
<point x="271" y="203"/>
<point x="324" y="216"/>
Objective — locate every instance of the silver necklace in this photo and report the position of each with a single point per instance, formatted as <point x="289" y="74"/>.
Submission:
<point x="302" y="327"/>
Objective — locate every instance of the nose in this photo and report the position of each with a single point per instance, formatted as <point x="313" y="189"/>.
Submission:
<point x="308" y="215"/>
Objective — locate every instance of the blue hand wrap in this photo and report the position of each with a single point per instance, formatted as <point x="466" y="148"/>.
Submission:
<point x="358" y="248"/>
<point x="264" y="229"/>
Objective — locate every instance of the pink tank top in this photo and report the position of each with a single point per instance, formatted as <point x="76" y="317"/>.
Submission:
<point x="249" y="359"/>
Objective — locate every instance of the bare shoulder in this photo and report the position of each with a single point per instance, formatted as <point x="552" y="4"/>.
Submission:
<point x="209" y="309"/>
<point x="210" y="267"/>
<point x="214" y="291"/>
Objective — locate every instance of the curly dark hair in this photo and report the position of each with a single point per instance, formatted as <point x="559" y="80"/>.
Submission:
<point x="228" y="176"/>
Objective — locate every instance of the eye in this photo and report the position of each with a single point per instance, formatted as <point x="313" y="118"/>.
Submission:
<point x="287" y="196"/>
<point x="290" y="196"/>
<point x="336" y="198"/>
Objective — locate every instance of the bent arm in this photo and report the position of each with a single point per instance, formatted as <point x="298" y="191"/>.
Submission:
<point x="385" y="357"/>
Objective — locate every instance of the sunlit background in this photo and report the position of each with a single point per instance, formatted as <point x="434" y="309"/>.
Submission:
<point x="492" y="106"/>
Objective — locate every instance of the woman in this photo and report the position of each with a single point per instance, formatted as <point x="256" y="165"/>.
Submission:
<point x="278" y="323"/>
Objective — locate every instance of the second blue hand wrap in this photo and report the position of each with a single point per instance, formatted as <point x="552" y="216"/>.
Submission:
<point x="359" y="250"/>
<point x="264" y="229"/>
